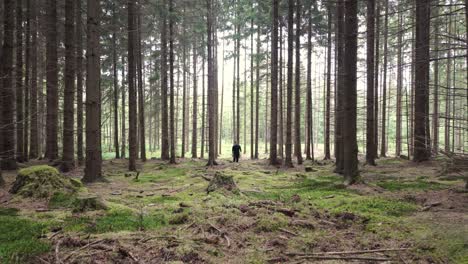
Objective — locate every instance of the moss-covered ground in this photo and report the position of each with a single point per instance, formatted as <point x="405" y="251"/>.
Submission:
<point x="278" y="216"/>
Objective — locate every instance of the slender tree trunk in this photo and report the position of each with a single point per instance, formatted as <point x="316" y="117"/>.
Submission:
<point x="195" y="103"/>
<point x="238" y="86"/>
<point x="141" y="90"/>
<point x="252" y="95"/>
<point x="435" y="106"/>
<point x="339" y="116"/>
<point x="448" y="100"/>
<point x="27" y="83"/>
<point x="79" y="83"/>
<point x="288" y="158"/>
<point x="124" y="119"/>
<point x="68" y="143"/>
<point x="164" y="87"/>
<point x="399" y="85"/>
<point x="202" y="147"/>
<point x="93" y="168"/>
<point x="34" y="144"/>
<point x="370" y="133"/>
<point x="383" y="145"/>
<point x="171" y="76"/>
<point x="274" y="87"/>
<point x="297" y="115"/>
<point x="211" y="89"/>
<point x="328" y="92"/>
<point x="376" y="81"/>
<point x="7" y="95"/>
<point x="257" y="92"/>
<point x="280" y="95"/>
<point x="132" y="100"/>
<point x="52" y="81"/>
<point x="350" y="94"/>
<point x="421" y="144"/>
<point x="116" y="85"/>
<point x="309" y="136"/>
<point x="20" y="118"/>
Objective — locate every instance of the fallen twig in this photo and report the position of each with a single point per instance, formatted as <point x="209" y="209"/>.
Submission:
<point x="57" y="251"/>
<point x="347" y="252"/>
<point x="288" y="232"/>
<point x="346" y="258"/>
<point x="228" y="241"/>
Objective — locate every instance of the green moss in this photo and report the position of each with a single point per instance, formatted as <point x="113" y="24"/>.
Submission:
<point x="179" y="218"/>
<point x="20" y="239"/>
<point x="271" y="223"/>
<point x="41" y="182"/>
<point x="61" y="200"/>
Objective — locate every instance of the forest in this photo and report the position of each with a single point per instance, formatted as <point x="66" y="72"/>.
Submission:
<point x="233" y="131"/>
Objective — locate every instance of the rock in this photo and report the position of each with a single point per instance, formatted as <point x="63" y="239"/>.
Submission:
<point x="310" y="169"/>
<point x="295" y="198"/>
<point x="184" y="205"/>
<point x="116" y="193"/>
<point x="42" y="182"/>
<point x="88" y="203"/>
<point x="222" y="181"/>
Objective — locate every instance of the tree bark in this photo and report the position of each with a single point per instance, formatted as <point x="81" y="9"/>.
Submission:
<point x="350" y="94"/>
<point x="20" y="118"/>
<point x="383" y="145"/>
<point x="124" y="119"/>
<point x="7" y="95"/>
<point x="93" y="169"/>
<point x="309" y="136"/>
<point x="211" y="89"/>
<point x="195" y="103"/>
<point x="171" y="76"/>
<point x="339" y="116"/>
<point x="164" y="87"/>
<point x="68" y="143"/>
<point x="79" y="83"/>
<point x="288" y="154"/>
<point x="370" y="133"/>
<point x="274" y="87"/>
<point x="34" y="139"/>
<point x="141" y="90"/>
<point x="132" y="100"/>
<point x="115" y="82"/>
<point x="328" y="92"/>
<point x="399" y="85"/>
<point x="297" y="101"/>
<point x="421" y="115"/>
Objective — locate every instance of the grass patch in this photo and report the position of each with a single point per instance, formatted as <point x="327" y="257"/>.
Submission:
<point x="19" y="238"/>
<point x="420" y="184"/>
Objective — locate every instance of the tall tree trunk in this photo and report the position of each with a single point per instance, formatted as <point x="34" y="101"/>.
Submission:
<point x="257" y="91"/>
<point x="132" y="100"/>
<point x="116" y="85"/>
<point x="448" y="100"/>
<point x="124" y="119"/>
<point x="27" y="84"/>
<point x="376" y="81"/>
<point x="68" y="143"/>
<point x="52" y="80"/>
<point x="34" y="143"/>
<point x="202" y="147"/>
<point x="339" y="116"/>
<point x="370" y="133"/>
<point x="238" y="86"/>
<point x="252" y="95"/>
<point x="350" y="95"/>
<point x="79" y="83"/>
<point x="421" y="144"/>
<point x="93" y="170"/>
<point x="211" y="89"/>
<point x="309" y="136"/>
<point x="399" y="85"/>
<point x="7" y="95"/>
<point x="164" y="87"/>
<point x="195" y="103"/>
<point x="280" y="95"/>
<point x="297" y="114"/>
<point x="20" y="157"/>
<point x="435" y="106"/>
<point x="383" y="145"/>
<point x="141" y="90"/>
<point x="171" y="76"/>
<point x="328" y="92"/>
<point x="288" y="158"/>
<point x="184" y="96"/>
<point x="274" y="87"/>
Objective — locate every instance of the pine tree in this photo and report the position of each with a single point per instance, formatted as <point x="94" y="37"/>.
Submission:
<point x="93" y="169"/>
<point x="288" y="154"/>
<point x="370" y="140"/>
<point x="132" y="100"/>
<point x="297" y="100"/>
<point x="34" y="131"/>
<point x="68" y="155"/>
<point x="79" y="83"/>
<point x="274" y="86"/>
<point x="20" y="155"/>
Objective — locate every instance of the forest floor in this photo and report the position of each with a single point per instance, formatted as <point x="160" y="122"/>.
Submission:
<point x="402" y="212"/>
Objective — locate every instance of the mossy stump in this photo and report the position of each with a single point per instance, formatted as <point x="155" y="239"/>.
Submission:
<point x="222" y="181"/>
<point x="88" y="203"/>
<point x="41" y="182"/>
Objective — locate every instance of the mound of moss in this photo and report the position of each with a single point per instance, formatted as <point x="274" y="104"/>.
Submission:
<point x="42" y="182"/>
<point x="222" y="181"/>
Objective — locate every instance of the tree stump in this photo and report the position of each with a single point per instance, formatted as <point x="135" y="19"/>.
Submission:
<point x="88" y="203"/>
<point x="222" y="181"/>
